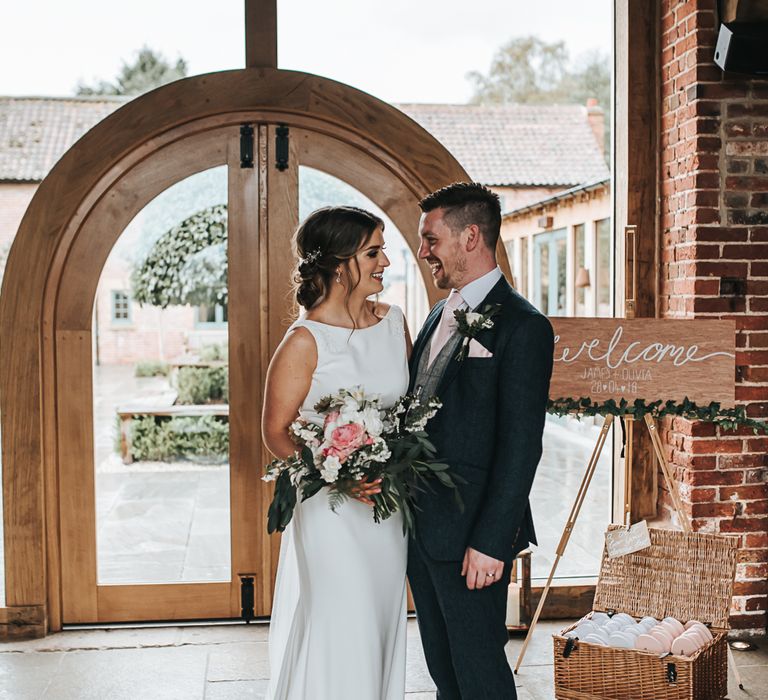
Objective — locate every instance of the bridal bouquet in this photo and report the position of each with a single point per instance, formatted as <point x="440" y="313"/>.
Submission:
<point x="360" y="441"/>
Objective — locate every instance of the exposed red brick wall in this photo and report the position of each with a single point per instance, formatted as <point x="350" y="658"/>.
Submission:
<point x="714" y="224"/>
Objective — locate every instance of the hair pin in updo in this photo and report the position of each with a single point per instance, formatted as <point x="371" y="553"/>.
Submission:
<point x="312" y="256"/>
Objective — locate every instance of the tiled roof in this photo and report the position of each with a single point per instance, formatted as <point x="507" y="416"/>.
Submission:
<point x="36" y="131"/>
<point x="540" y="204"/>
<point x="514" y="145"/>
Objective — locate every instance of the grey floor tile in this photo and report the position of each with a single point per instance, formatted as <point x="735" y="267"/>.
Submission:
<point x="224" y="634"/>
<point x="26" y="676"/>
<point x="753" y="677"/>
<point x="243" y="661"/>
<point x="169" y="673"/>
<point x="235" y="690"/>
<point x="536" y="682"/>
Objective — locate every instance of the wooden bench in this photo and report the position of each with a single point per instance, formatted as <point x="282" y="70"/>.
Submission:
<point x="128" y="411"/>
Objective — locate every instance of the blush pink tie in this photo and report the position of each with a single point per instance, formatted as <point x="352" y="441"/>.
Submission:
<point x="446" y="326"/>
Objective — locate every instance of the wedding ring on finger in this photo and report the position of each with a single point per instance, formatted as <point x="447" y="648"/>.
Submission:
<point x="490" y="575"/>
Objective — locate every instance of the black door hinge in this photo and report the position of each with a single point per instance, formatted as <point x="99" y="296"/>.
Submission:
<point x="246" y="146"/>
<point x="281" y="147"/>
<point x="246" y="597"/>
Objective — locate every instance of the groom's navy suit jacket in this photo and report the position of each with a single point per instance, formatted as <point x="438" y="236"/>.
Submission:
<point x="489" y="430"/>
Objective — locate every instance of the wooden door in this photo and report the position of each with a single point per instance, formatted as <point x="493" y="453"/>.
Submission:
<point x="149" y="578"/>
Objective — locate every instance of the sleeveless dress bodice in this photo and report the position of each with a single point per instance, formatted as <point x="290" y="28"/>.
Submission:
<point x="374" y="358"/>
<point x="338" y="627"/>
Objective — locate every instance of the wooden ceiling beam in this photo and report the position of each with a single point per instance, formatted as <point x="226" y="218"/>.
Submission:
<point x="261" y="33"/>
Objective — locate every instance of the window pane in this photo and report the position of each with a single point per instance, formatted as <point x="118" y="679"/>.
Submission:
<point x="580" y="262"/>
<point x="560" y="246"/>
<point x="603" y="274"/>
<point x="524" y="266"/>
<point x="542" y="247"/>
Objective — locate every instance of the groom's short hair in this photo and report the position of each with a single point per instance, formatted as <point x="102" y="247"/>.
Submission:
<point x="467" y="203"/>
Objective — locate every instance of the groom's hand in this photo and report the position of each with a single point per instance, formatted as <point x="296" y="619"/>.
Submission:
<point x="480" y="569"/>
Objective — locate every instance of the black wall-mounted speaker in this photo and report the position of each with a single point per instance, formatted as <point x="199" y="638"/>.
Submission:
<point x="742" y="47"/>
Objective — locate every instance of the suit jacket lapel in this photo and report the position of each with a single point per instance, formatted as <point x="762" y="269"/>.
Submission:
<point x="499" y="292"/>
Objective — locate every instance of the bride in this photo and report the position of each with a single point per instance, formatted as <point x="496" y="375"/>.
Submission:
<point x="338" y="628"/>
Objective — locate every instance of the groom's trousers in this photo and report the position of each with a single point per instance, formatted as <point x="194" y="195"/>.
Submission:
<point x="463" y="632"/>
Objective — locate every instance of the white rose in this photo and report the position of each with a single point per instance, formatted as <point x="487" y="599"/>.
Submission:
<point x="351" y="404"/>
<point x="330" y="469"/>
<point x="473" y="317"/>
<point x="372" y="421"/>
<point x="349" y="415"/>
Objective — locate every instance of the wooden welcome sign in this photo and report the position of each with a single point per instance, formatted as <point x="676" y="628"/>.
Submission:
<point x="650" y="359"/>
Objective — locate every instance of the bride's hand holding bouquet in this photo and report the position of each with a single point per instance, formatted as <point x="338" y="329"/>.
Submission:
<point x="380" y="456"/>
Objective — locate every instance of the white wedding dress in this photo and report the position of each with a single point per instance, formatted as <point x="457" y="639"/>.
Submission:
<point x="338" y="627"/>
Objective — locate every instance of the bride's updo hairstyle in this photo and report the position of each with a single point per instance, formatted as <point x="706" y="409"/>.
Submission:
<point x="328" y="238"/>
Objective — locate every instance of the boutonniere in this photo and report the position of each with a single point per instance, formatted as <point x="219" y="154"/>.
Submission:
<point x="470" y="323"/>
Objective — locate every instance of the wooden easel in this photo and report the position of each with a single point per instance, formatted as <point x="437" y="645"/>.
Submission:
<point x="574" y="514"/>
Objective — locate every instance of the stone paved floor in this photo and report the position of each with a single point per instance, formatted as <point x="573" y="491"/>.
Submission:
<point x="229" y="662"/>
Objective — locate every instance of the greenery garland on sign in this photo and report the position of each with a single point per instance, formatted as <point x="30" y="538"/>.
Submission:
<point x="726" y="418"/>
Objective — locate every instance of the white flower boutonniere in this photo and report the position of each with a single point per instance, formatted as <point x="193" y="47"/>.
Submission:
<point x="470" y="323"/>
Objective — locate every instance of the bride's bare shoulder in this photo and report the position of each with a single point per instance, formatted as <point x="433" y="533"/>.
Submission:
<point x="379" y="308"/>
<point x="298" y="342"/>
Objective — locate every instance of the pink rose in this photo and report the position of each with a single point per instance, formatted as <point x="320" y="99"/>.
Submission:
<point x="346" y="439"/>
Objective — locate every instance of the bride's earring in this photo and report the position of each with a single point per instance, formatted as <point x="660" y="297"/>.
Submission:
<point x="338" y="276"/>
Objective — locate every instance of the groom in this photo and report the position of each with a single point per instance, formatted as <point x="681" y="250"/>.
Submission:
<point x="489" y="430"/>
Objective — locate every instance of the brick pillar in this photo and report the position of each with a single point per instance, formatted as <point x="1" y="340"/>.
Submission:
<point x="714" y="225"/>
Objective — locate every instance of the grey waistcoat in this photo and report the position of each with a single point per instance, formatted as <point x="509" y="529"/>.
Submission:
<point x="428" y="377"/>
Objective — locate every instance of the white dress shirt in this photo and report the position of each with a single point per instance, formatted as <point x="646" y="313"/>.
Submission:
<point x="474" y="292"/>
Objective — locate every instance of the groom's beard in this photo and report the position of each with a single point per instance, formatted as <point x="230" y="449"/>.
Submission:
<point x="457" y="275"/>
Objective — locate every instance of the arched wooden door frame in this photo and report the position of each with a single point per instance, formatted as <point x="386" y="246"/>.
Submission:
<point x="46" y="267"/>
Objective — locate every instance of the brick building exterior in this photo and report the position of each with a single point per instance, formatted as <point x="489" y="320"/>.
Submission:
<point x="714" y="234"/>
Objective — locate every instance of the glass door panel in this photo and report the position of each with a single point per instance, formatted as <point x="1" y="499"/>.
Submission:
<point x="550" y="286"/>
<point x="568" y="444"/>
<point x="161" y="390"/>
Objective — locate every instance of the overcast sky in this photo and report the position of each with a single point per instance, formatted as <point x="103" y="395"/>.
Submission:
<point x="398" y="50"/>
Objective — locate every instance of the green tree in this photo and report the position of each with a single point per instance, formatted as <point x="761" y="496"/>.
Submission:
<point x="187" y="264"/>
<point x="149" y="70"/>
<point x="592" y="78"/>
<point x="528" y="70"/>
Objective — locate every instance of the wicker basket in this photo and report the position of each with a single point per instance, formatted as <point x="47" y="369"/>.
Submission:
<point x="688" y="576"/>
